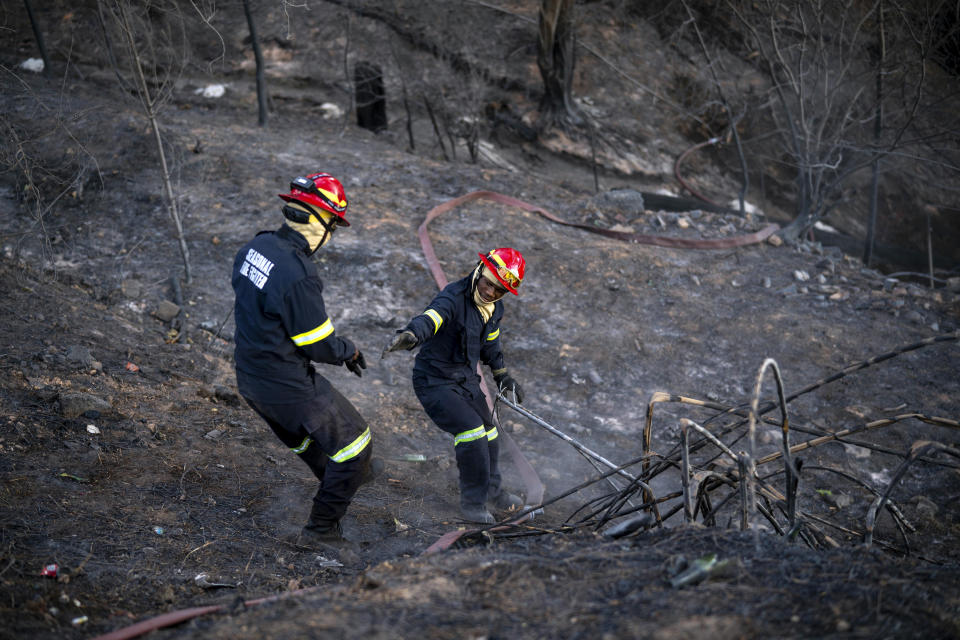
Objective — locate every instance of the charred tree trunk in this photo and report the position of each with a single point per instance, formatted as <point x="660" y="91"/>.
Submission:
<point x="555" y="58"/>
<point x="370" y="96"/>
<point x="38" y="34"/>
<point x="258" y="57"/>
<point x="877" y="132"/>
<point x="872" y="212"/>
<point x="436" y="128"/>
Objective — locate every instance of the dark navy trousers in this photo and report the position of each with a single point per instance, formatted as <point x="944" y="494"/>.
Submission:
<point x="330" y="436"/>
<point x="461" y="410"/>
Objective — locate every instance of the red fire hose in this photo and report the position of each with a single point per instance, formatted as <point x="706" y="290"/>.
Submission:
<point x="534" y="488"/>
<point x="636" y="238"/>
<point x="176" y="617"/>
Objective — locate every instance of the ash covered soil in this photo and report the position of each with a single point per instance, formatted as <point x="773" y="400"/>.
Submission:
<point x="129" y="461"/>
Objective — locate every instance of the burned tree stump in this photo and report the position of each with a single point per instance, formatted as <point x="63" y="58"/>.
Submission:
<point x="370" y="98"/>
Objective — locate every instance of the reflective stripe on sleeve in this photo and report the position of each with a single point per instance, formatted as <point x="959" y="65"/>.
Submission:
<point x="493" y="335"/>
<point x="469" y="436"/>
<point x="353" y="449"/>
<point x="303" y="446"/>
<point x="436" y="317"/>
<point x="314" y="335"/>
<point x="492" y="434"/>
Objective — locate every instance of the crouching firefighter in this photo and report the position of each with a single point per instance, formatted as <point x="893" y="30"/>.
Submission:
<point x="282" y="325"/>
<point x="460" y="328"/>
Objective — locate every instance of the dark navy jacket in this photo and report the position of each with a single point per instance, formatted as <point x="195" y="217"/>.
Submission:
<point x="454" y="338"/>
<point x="281" y="321"/>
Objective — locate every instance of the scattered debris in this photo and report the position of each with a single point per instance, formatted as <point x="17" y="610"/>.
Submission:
<point x="212" y="91"/>
<point x="859" y="411"/>
<point x="854" y="451"/>
<point x="202" y="580"/>
<point x="81" y="357"/>
<point x="331" y="111"/>
<point x="34" y="65"/>
<point x="629" y="525"/>
<point x="75" y="404"/>
<point x="70" y="476"/>
<point x="166" y="311"/>
<point x="408" y="457"/>
<point x="327" y="563"/>
<point x="50" y="570"/>
<point x="838" y="500"/>
<point x="701" y="569"/>
<point x="628" y="201"/>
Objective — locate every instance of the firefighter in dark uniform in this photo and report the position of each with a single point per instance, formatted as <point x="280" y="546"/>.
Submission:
<point x="460" y="328"/>
<point x="282" y="326"/>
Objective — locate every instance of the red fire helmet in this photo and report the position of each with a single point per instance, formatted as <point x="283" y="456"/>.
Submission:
<point x="320" y="190"/>
<point x="507" y="265"/>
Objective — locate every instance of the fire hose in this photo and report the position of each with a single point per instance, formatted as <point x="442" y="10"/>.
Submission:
<point x="682" y="180"/>
<point x="176" y="617"/>
<point x="572" y="442"/>
<point x="636" y="238"/>
<point x="533" y="486"/>
<point x="449" y="538"/>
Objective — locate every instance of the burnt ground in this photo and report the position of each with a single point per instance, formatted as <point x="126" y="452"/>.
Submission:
<point x="129" y="461"/>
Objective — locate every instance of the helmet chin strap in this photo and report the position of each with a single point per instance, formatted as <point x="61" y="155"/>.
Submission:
<point x="475" y="277"/>
<point x="485" y="307"/>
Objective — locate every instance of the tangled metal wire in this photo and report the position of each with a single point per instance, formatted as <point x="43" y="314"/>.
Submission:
<point x="721" y="475"/>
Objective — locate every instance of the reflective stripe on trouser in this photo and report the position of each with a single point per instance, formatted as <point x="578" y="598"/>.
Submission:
<point x="329" y="435"/>
<point x="454" y="408"/>
<point x="352" y="450"/>
<point x="469" y="436"/>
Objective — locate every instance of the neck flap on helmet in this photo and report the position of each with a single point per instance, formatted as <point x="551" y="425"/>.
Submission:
<point x="315" y="226"/>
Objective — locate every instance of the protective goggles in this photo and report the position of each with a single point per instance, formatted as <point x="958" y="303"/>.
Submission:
<point x="507" y="276"/>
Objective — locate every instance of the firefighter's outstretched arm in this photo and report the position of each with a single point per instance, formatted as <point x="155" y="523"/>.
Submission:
<point x="422" y="327"/>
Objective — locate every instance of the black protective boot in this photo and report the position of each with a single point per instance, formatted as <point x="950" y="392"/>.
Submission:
<point x="505" y="501"/>
<point x="478" y="514"/>
<point x="332" y="534"/>
<point x="330" y="540"/>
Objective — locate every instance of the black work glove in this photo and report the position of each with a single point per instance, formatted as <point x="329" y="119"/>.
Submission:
<point x="357" y="363"/>
<point x="506" y="383"/>
<point x="403" y="340"/>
